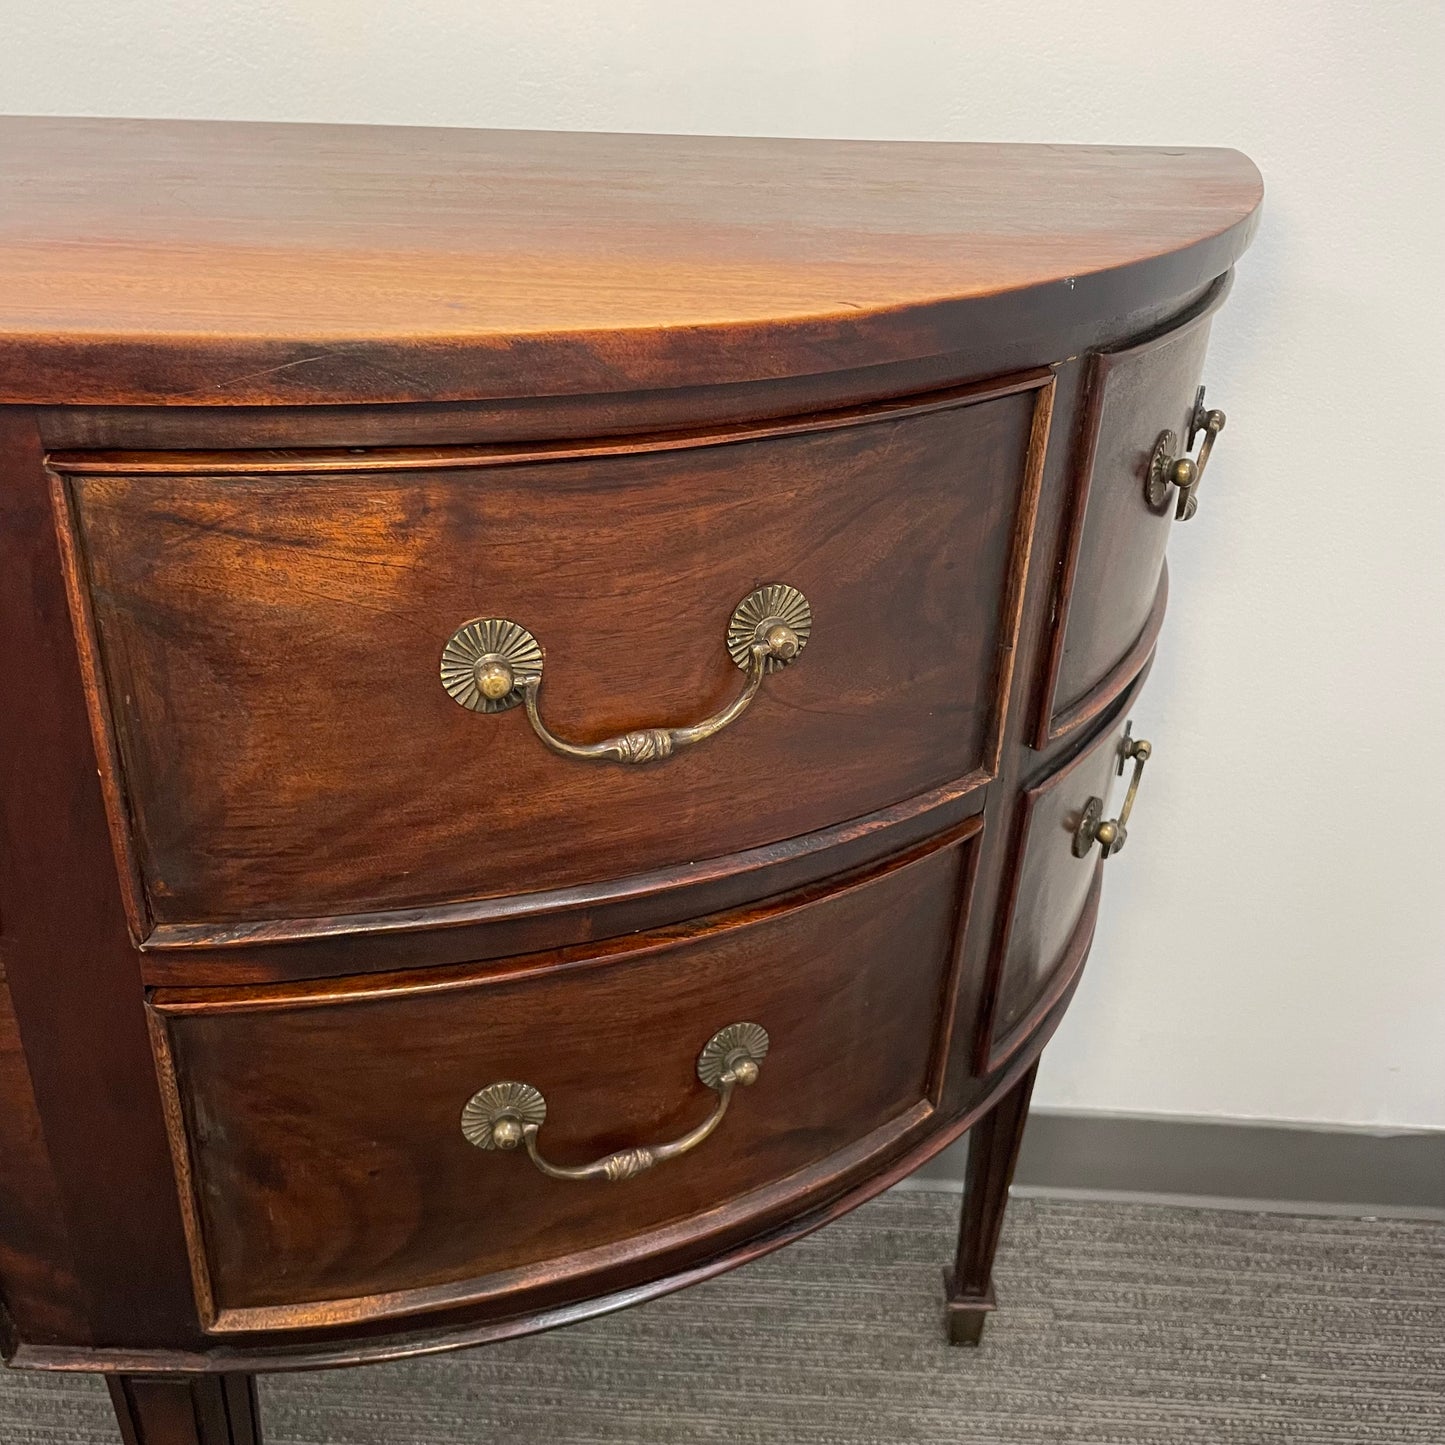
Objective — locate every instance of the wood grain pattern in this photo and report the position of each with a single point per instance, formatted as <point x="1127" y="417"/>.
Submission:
<point x="274" y="263"/>
<point x="301" y="400"/>
<point x="199" y="955"/>
<point x="782" y="1218"/>
<point x="320" y="768"/>
<point x="181" y="1410"/>
<point x="1046" y="889"/>
<point x="322" y="1121"/>
<point x="70" y="968"/>
<point x="39" y="1291"/>
<point x="1112" y="559"/>
<point x="993" y="1152"/>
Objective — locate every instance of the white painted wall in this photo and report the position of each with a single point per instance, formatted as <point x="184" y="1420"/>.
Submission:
<point x="1273" y="944"/>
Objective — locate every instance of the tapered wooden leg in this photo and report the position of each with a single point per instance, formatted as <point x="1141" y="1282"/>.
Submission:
<point x="993" y="1150"/>
<point x="186" y="1409"/>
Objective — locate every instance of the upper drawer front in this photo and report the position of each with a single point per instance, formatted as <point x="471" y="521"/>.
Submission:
<point x="271" y="633"/>
<point x="325" y="1139"/>
<point x="1113" y="578"/>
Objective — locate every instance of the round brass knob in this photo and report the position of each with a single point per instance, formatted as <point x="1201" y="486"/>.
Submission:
<point x="1184" y="473"/>
<point x="782" y="641"/>
<point x="745" y="1071"/>
<point x="1107" y="833"/>
<point x="506" y="1133"/>
<point x="495" y="679"/>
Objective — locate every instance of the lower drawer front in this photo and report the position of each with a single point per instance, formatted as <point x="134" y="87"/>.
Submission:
<point x="1051" y="874"/>
<point x="323" y="1154"/>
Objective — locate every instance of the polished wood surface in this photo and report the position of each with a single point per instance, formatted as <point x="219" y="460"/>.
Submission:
<point x="1047" y="888"/>
<point x="993" y="1153"/>
<point x="192" y="261"/>
<point x="280" y="408"/>
<point x="1111" y="571"/>
<point x="203" y="1410"/>
<point x="373" y="1195"/>
<point x="260" y="778"/>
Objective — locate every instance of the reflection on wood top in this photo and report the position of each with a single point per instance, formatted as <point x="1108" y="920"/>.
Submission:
<point x="514" y="262"/>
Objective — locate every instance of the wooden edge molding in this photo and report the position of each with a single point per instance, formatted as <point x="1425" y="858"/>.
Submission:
<point x="844" y="1194"/>
<point x="937" y="1077"/>
<point x="449" y="458"/>
<point x="779" y="1195"/>
<point x="1012" y="611"/>
<point x="178" y="1138"/>
<point x="1055" y="719"/>
<point x="98" y="707"/>
<point x="992" y="1052"/>
<point x="1062" y="978"/>
<point x="484" y="929"/>
<point x="212" y="950"/>
<point x="507" y="1285"/>
<point x="1119" y="678"/>
<point x="324" y="992"/>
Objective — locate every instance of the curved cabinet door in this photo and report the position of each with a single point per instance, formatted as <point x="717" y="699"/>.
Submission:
<point x="1112" y="586"/>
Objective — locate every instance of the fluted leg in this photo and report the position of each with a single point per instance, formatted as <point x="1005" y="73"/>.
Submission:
<point x="186" y="1409"/>
<point x="993" y="1150"/>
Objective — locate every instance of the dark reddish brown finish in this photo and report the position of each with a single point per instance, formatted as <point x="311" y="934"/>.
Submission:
<point x="860" y="1175"/>
<point x="42" y="1298"/>
<point x="321" y="769"/>
<point x="1109" y="606"/>
<point x="70" y="969"/>
<point x="993" y="1151"/>
<point x="1046" y="891"/>
<point x="181" y="1410"/>
<point x="331" y="1184"/>
<point x="495" y="928"/>
<point x="195" y="262"/>
<point x="704" y="311"/>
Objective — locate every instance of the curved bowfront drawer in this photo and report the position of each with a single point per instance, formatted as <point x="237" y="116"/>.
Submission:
<point x="296" y="650"/>
<point x="330" y="1137"/>
<point x="1143" y="414"/>
<point x="1068" y="822"/>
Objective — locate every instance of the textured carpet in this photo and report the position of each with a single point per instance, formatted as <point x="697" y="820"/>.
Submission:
<point x="1119" y="1325"/>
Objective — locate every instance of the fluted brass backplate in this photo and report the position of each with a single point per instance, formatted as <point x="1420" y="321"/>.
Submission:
<point x="776" y="609"/>
<point x="727" y="1048"/>
<point x="1158" y="483"/>
<point x="488" y="661"/>
<point x="516" y="1102"/>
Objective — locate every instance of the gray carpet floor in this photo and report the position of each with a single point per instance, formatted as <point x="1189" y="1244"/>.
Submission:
<point x="1120" y="1324"/>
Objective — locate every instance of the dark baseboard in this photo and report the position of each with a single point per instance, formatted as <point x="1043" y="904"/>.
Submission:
<point x="1223" y="1163"/>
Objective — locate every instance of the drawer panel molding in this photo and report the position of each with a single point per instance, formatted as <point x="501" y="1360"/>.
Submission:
<point x="265" y="636"/>
<point x="1063" y="832"/>
<point x="1111" y="581"/>
<point x="384" y="1200"/>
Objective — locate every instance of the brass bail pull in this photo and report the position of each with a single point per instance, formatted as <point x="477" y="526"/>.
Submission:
<point x="491" y="664"/>
<point x="1111" y="833"/>
<point x="504" y="1115"/>
<point x="1182" y="472"/>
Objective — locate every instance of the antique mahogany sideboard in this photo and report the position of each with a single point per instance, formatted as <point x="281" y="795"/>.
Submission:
<point x="565" y="699"/>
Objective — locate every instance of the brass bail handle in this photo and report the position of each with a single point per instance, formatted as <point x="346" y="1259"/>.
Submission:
<point x="505" y="1115"/>
<point x="1112" y="833"/>
<point x="1166" y="470"/>
<point x="492" y="664"/>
